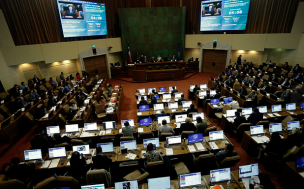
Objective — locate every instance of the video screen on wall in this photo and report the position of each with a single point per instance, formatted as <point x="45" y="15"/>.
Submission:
<point x="217" y="15"/>
<point x="82" y="18"/>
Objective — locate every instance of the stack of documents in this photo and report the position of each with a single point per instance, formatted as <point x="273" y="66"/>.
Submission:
<point x="199" y="146"/>
<point x="54" y="163"/>
<point x="169" y="151"/>
<point x="46" y="164"/>
<point x="131" y="156"/>
<point x="191" y="148"/>
<point x="213" y="145"/>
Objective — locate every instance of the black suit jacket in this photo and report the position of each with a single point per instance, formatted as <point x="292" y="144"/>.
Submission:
<point x="239" y="61"/>
<point x="267" y="88"/>
<point x="101" y="161"/>
<point x="238" y="121"/>
<point x="275" y="80"/>
<point x="220" y="156"/>
<point x="191" y="110"/>
<point x="36" y="80"/>
<point x="61" y="93"/>
<point x="243" y="91"/>
<point x="187" y="127"/>
<point x="143" y="102"/>
<point x="296" y="69"/>
<point x="254" y="84"/>
<point x="255" y="117"/>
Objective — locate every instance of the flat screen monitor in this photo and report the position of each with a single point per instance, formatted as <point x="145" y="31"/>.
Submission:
<point x="108" y="125"/>
<point x="160" y="182"/>
<point x="173" y="105"/>
<point x="52" y="130"/>
<point x="167" y="96"/>
<point x="158" y="106"/>
<point x="106" y="147"/>
<point x="180" y="118"/>
<point x="231" y="113"/>
<point x="32" y="155"/>
<point x="156" y="96"/>
<point x="202" y="93"/>
<point x="133" y="184"/>
<point x="174" y="140"/>
<point x="145" y="121"/>
<point x="130" y="145"/>
<point x="194" y="138"/>
<point x="143" y="108"/>
<point x="203" y="86"/>
<point x="212" y="92"/>
<point x="302" y="105"/>
<point x="57" y="152"/>
<point x="170" y="88"/>
<point x="293" y="124"/>
<point x="82" y="18"/>
<point x="186" y="104"/>
<point x="178" y="95"/>
<point x="90" y="126"/>
<point x="220" y="175"/>
<point x="71" y="128"/>
<point x="216" y="135"/>
<point x="190" y="179"/>
<point x="131" y="122"/>
<point x="145" y="97"/>
<point x="276" y="127"/>
<point x="227" y="100"/>
<point x="224" y="15"/>
<point x="291" y="106"/>
<point x="192" y="87"/>
<point x="214" y="101"/>
<point x="82" y="149"/>
<point x="142" y="91"/>
<point x="256" y="130"/>
<point x="160" y="119"/>
<point x="154" y="141"/>
<point x="276" y="108"/>
<point x="95" y="186"/>
<point x="249" y="170"/>
<point x="194" y="116"/>
<point x="262" y="109"/>
<point x="246" y="111"/>
<point x="300" y="162"/>
<point x="151" y="89"/>
<point x="162" y="89"/>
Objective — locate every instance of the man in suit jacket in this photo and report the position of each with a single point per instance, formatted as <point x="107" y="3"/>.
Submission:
<point x="274" y="79"/>
<point x="181" y="99"/>
<point x="250" y="65"/>
<point x="21" y="171"/>
<point x="255" y="117"/>
<point x="243" y="91"/>
<point x="173" y="91"/>
<point x="286" y="95"/>
<point x="238" y="120"/>
<point x="101" y="161"/>
<point x="286" y="66"/>
<point x="36" y="79"/>
<point x="235" y="66"/>
<point x="227" y="152"/>
<point x="251" y="73"/>
<point x="196" y="88"/>
<point x="229" y="82"/>
<point x="143" y="101"/>
<point x="201" y="125"/>
<point x="15" y="90"/>
<point x="237" y="75"/>
<point x="40" y="112"/>
<point x="254" y="83"/>
<point x="173" y="58"/>
<point x="265" y="87"/>
<point x="299" y="76"/>
<point x="61" y="93"/>
<point x="188" y="126"/>
<point x="191" y="109"/>
<point x="252" y="95"/>
<point x="246" y="80"/>
<point x="296" y="69"/>
<point x="152" y="59"/>
<point x="239" y="60"/>
<point x="153" y="100"/>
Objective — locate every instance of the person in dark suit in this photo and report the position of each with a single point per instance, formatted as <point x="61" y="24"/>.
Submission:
<point x="274" y="79"/>
<point x="152" y="59"/>
<point x="153" y="101"/>
<point x="238" y="120"/>
<point x="299" y="76"/>
<point x="77" y="168"/>
<point x="239" y="60"/>
<point x="70" y="114"/>
<point x="237" y="75"/>
<point x="265" y="87"/>
<point x="294" y="139"/>
<point x="85" y="74"/>
<point x="70" y="13"/>
<point x="217" y="86"/>
<point x="269" y="63"/>
<point x="36" y="79"/>
<point x="181" y="99"/>
<point x="286" y="95"/>
<point x="154" y="92"/>
<point x="174" y="90"/>
<point x="227" y="152"/>
<point x="145" y="60"/>
<point x="235" y="66"/>
<point x="250" y="65"/>
<point x="101" y="161"/>
<point x="286" y="66"/>
<point x="188" y="126"/>
<point x="246" y="80"/>
<point x="252" y="95"/>
<point x="245" y="63"/>
<point x="254" y="83"/>
<point x="217" y="95"/>
<point x="196" y="88"/>
<point x="90" y="88"/>
<point x="40" y="141"/>
<point x="173" y="58"/>
<point x="17" y="105"/>
<point x="15" y="90"/>
<point x="51" y="101"/>
<point x="296" y="69"/>
<point x="243" y="91"/>
<point x="250" y="72"/>
<point x="220" y="78"/>
<point x="40" y="112"/>
<point x="61" y="93"/>
<point x="255" y="117"/>
<point x="143" y="101"/>
<point x="191" y="109"/>
<point x="201" y="125"/>
<point x="20" y="171"/>
<point x="229" y="82"/>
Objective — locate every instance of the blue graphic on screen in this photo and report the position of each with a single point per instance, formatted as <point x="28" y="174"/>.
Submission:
<point x="215" y="101"/>
<point x="227" y="100"/>
<point x="156" y="96"/>
<point x="143" y="108"/>
<point x="146" y="121"/>
<point x="224" y="14"/>
<point x="300" y="162"/>
<point x="302" y="105"/>
<point x="195" y="138"/>
<point x="162" y="89"/>
<point x="82" y="18"/>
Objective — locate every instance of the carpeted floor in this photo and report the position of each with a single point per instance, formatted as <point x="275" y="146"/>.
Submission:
<point x="129" y="112"/>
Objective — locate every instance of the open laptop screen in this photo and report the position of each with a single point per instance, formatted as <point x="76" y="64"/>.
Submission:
<point x="32" y="155"/>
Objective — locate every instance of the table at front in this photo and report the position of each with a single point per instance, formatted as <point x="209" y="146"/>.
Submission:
<point x="289" y="177"/>
<point x="158" y="75"/>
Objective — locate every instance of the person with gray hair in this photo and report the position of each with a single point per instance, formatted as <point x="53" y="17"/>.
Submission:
<point x="165" y="128"/>
<point x="188" y="126"/>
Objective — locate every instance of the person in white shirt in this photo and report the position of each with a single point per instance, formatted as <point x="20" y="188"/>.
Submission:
<point x="234" y="104"/>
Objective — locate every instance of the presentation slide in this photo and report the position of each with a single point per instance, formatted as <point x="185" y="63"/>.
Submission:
<point x="82" y="18"/>
<point x="219" y="15"/>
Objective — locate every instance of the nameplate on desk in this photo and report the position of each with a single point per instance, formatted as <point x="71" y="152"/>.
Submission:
<point x="199" y="146"/>
<point x="191" y="148"/>
<point x="140" y="130"/>
<point x="102" y="133"/>
<point x="139" y="113"/>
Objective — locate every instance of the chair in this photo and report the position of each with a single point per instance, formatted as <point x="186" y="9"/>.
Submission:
<point x="204" y="163"/>
<point x="287" y="119"/>
<point x="291" y="74"/>
<point x="100" y="111"/>
<point x="126" y="138"/>
<point x="157" y="67"/>
<point x="248" y="90"/>
<point x="106" y="95"/>
<point x="185" y="134"/>
<point x="150" y="68"/>
<point x="58" y="79"/>
<point x="229" y="161"/>
<point x="301" y="151"/>
<point x="65" y="109"/>
<point x="46" y="102"/>
<point x="284" y="72"/>
<point x="28" y="116"/>
<point x="74" y="101"/>
<point x="240" y="130"/>
<point x="174" y="66"/>
<point x="56" y="92"/>
<point x="77" y="142"/>
<point x="237" y="86"/>
<point x="27" y="98"/>
<point x="290" y="155"/>
<point x="4" y="109"/>
<point x="266" y="77"/>
<point x="136" y="175"/>
<point x="58" y="182"/>
<point x="61" y="119"/>
<point x="42" y="87"/>
<point x="163" y="136"/>
<point x="3" y="95"/>
<point x="219" y="115"/>
<point x="278" y="93"/>
<point x="181" y="168"/>
<point x="155" y="169"/>
<point x="206" y="133"/>
<point x="99" y="176"/>
<point x="145" y="135"/>
<point x="167" y="67"/>
<point x="48" y="85"/>
<point x="264" y="123"/>
<point x="2" y="118"/>
<point x="12" y="184"/>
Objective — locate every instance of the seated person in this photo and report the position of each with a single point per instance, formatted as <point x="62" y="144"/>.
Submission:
<point x="217" y="95"/>
<point x="188" y="126"/>
<point x="265" y="87"/>
<point x="70" y="13"/>
<point x="15" y="91"/>
<point x="274" y="78"/>
<point x="83" y="94"/>
<point x="40" y="112"/>
<point x="57" y="139"/>
<point x="252" y="95"/>
<point x="52" y="101"/>
<point x="235" y="67"/>
<point x="127" y="130"/>
<point x="61" y="76"/>
<point x="40" y="141"/>
<point x="227" y="152"/>
<point x="17" y="105"/>
<point x="243" y="91"/>
<point x="173" y="91"/>
<point x="229" y="73"/>
<point x="159" y="58"/>
<point x="154" y="92"/>
<point x="217" y="86"/>
<point x="137" y="94"/>
<point x="246" y="80"/>
<point x="70" y="114"/>
<point x="294" y="139"/>
<point x="101" y="161"/>
<point x="269" y="63"/>
<point x="67" y="88"/>
<point x="299" y="76"/>
<point x="77" y="168"/>
<point x="153" y="100"/>
<point x="22" y="86"/>
<point x="238" y="120"/>
<point x="220" y="78"/>
<point x="245" y="63"/>
<point x="20" y="171"/>
<point x="152" y="155"/>
<point x="229" y="82"/>
<point x="254" y="83"/>
<point x="237" y="75"/>
<point x="296" y="69"/>
<point x="143" y="101"/>
<point x="201" y="125"/>
<point x="250" y="72"/>
<point x="285" y="66"/>
<point x="78" y="76"/>
<point x="75" y="108"/>
<point x="152" y="59"/>
<point x="181" y="99"/>
<point x="191" y="109"/>
<point x="61" y="93"/>
<point x="173" y="58"/>
<point x="110" y="90"/>
<point x="234" y="103"/>
<point x="255" y="117"/>
<point x="285" y="82"/>
<point x="250" y="65"/>
<point x="52" y="81"/>
<point x="165" y="128"/>
<point x="196" y="88"/>
<point x="286" y="95"/>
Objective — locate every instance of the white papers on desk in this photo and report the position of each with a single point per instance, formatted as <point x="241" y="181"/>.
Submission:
<point x="54" y="163"/>
<point x="261" y="139"/>
<point x="102" y="132"/>
<point x="140" y="130"/>
<point x="213" y="145"/>
<point x="230" y="119"/>
<point x="264" y="117"/>
<point x="277" y="114"/>
<point x="158" y="112"/>
<point x="173" y="110"/>
<point x="246" y="116"/>
<point x="46" y="164"/>
<point x="199" y="146"/>
<point x="131" y="156"/>
<point x="46" y="116"/>
<point x="191" y="148"/>
<point x="201" y="97"/>
<point x="215" y="106"/>
<point x="270" y="115"/>
<point x="169" y="151"/>
<point x="177" y="125"/>
<point x="64" y="134"/>
<point x="68" y="163"/>
<point x="291" y="113"/>
<point x="139" y="113"/>
<point x="108" y="131"/>
<point x="120" y="130"/>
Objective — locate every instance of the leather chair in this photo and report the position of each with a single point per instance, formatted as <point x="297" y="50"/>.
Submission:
<point x="136" y="175"/>
<point x="265" y="68"/>
<point x="73" y="101"/>
<point x="185" y="134"/>
<point x="61" y="119"/>
<point x="27" y="98"/>
<point x="58" y="79"/>
<point x="167" y="67"/>
<point x="48" y="85"/>
<point x="163" y="136"/>
<point x="126" y="138"/>
<point x="56" y="92"/>
<point x="77" y="142"/>
<point x="157" y="67"/>
<point x="229" y="161"/>
<point x="240" y="130"/>
<point x="264" y="123"/>
<point x="204" y="163"/>
<point x="266" y="77"/>
<point x="291" y="74"/>
<point x="290" y="155"/>
<point x="206" y="133"/>
<point x="60" y="181"/>
<point x="106" y="95"/>
<point x="100" y="111"/>
<point x="284" y="72"/>
<point x="278" y="93"/>
<point x="46" y="102"/>
<point x="5" y="110"/>
<point x="145" y="135"/>
<point x="42" y="87"/>
<point x="181" y="168"/>
<point x="3" y="95"/>
<point x="65" y="109"/>
<point x="12" y="184"/>
<point x="284" y="122"/>
<point x="219" y="115"/>
<point x="237" y="86"/>
<point x="99" y="176"/>
<point x="174" y="66"/>
<point x="28" y="116"/>
<point x="2" y="118"/>
<point x="150" y="68"/>
<point x="155" y="169"/>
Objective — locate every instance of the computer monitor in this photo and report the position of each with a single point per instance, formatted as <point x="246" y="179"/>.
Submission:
<point x="143" y="108"/>
<point x="302" y="105"/>
<point x="145" y="121"/>
<point x="231" y="113"/>
<point x="212" y="92"/>
<point x="192" y="87"/>
<point x="291" y="106"/>
<point x="173" y="105"/>
<point x="180" y="118"/>
<point x="106" y="147"/>
<point x="52" y="130"/>
<point x="194" y="116"/>
<point x="256" y="130"/>
<point x="133" y="184"/>
<point x="300" y="162"/>
<point x="186" y="104"/>
<point x="131" y="122"/>
<point x="142" y="91"/>
<point x="108" y="125"/>
<point x="214" y="101"/>
<point x="139" y="98"/>
<point x="162" y="89"/>
<point x="160" y="119"/>
<point x="82" y="149"/>
<point x="203" y="86"/>
<point x="151" y="89"/>
<point x="154" y="141"/>
<point x="246" y="111"/>
<point x="227" y="100"/>
<point x="158" y="106"/>
<point x="174" y="140"/>
<point x="276" y="108"/>
<point x="90" y="126"/>
<point x="276" y="127"/>
<point x="248" y="170"/>
<point x="160" y="182"/>
<point x="32" y="155"/>
<point x="178" y="95"/>
<point x="130" y="145"/>
<point x="202" y="93"/>
<point x="167" y="96"/>
<point x="71" y="128"/>
<point x="219" y="175"/>
<point x="170" y="88"/>
<point x="95" y="186"/>
<point x="57" y="152"/>
<point x="293" y="124"/>
<point x="156" y="96"/>
<point x="216" y="135"/>
<point x="262" y="109"/>
<point x="190" y="179"/>
<point x="194" y="138"/>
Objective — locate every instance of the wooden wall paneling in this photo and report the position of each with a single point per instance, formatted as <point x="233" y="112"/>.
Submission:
<point x="218" y="57"/>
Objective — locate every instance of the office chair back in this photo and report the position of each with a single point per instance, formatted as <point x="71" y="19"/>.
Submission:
<point x="66" y="108"/>
<point x="2" y="118"/>
<point x="265" y="68"/>
<point x="226" y="107"/>
<point x="99" y="176"/>
<point x="77" y="142"/>
<point x="27" y="97"/>
<point x="58" y="79"/>
<point x="150" y="68"/>
<point x="56" y="92"/>
<point x="43" y="87"/>
<point x="48" y="85"/>
<point x="58" y="182"/>
<point x="4" y="109"/>
<point x="230" y="161"/>
<point x="29" y="117"/>
<point x="163" y="136"/>
<point x="126" y="138"/>
<point x="265" y="77"/>
<point x="236" y="86"/>
<point x="74" y="101"/>
<point x="206" y="133"/>
<point x="46" y="102"/>
<point x="39" y="105"/>
<point x="240" y="130"/>
<point x="145" y="135"/>
<point x="287" y="119"/>
<point x="137" y="175"/>
<point x="157" y="67"/>
<point x="185" y="134"/>
<point x="13" y="184"/>
<point x="290" y="155"/>
<point x="155" y="169"/>
<point x="204" y="163"/>
<point x="95" y="103"/>
<point x="61" y="119"/>
<point x="99" y="108"/>
<point x="264" y="123"/>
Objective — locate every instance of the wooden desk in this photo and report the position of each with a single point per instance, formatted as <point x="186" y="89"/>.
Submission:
<point x="115" y="71"/>
<point x="193" y="64"/>
<point x="130" y="70"/>
<point x="144" y="66"/>
<point x="289" y="177"/>
<point x="233" y="183"/>
<point x="158" y="75"/>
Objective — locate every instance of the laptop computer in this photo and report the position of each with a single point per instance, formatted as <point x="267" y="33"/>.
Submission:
<point x="191" y="179"/>
<point x="275" y="127"/>
<point x="194" y="138"/>
<point x="133" y="184"/>
<point x="249" y="170"/>
<point x="143" y="108"/>
<point x="82" y="149"/>
<point x="95" y="186"/>
<point x="220" y="175"/>
<point x="159" y="183"/>
<point x="30" y="155"/>
<point x="216" y="135"/>
<point x="108" y="125"/>
<point x="106" y="147"/>
<point x="145" y="121"/>
<point x="256" y="130"/>
<point x="131" y="122"/>
<point x="57" y="152"/>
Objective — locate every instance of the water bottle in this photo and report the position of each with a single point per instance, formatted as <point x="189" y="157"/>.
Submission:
<point x="228" y="184"/>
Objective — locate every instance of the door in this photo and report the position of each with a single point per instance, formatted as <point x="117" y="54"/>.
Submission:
<point x="214" y="61"/>
<point x="96" y="63"/>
